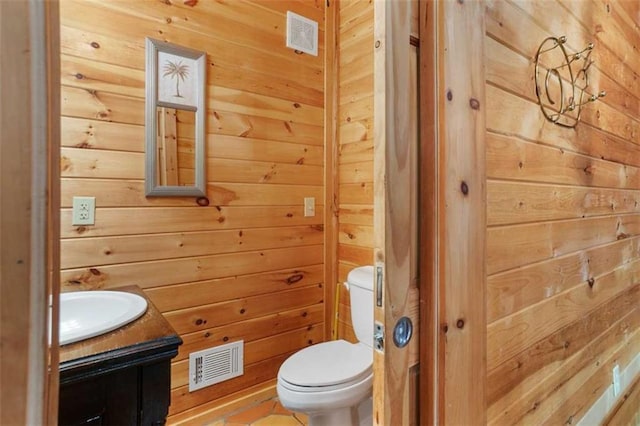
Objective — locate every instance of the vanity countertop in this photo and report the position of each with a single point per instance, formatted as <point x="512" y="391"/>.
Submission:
<point x="144" y="340"/>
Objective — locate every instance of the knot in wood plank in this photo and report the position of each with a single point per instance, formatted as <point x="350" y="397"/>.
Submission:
<point x="464" y="188"/>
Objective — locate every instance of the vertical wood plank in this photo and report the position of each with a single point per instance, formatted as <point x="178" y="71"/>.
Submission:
<point x="392" y="202"/>
<point x="15" y="227"/>
<point x="52" y="37"/>
<point x="380" y="409"/>
<point x="331" y="201"/>
<point x="462" y="210"/>
<point x="430" y="353"/>
<point x="28" y="119"/>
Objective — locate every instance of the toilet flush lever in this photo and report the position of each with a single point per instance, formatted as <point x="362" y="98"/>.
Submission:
<point x="378" y="336"/>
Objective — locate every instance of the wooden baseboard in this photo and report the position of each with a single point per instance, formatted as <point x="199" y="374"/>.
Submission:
<point x="221" y="407"/>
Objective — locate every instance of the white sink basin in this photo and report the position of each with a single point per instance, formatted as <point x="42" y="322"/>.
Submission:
<point x="85" y="314"/>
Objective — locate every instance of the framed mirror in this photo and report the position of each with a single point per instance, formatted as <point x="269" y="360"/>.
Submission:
<point x="174" y="120"/>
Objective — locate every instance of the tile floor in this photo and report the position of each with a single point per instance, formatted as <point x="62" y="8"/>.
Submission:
<point x="267" y="413"/>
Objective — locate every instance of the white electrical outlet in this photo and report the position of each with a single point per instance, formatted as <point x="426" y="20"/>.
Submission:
<point x="309" y="206"/>
<point x="84" y="210"/>
<point x="616" y="380"/>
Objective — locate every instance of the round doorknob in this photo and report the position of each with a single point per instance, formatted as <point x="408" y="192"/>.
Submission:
<point x="402" y="332"/>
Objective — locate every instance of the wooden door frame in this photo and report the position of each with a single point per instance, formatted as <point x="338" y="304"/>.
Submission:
<point x="29" y="211"/>
<point x="452" y="213"/>
<point x="331" y="96"/>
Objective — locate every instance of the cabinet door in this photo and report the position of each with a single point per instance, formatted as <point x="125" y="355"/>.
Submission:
<point x="111" y="399"/>
<point x="82" y="403"/>
<point x="122" y="398"/>
<point x="155" y="393"/>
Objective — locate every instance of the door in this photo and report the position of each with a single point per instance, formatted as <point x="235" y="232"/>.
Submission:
<point x="395" y="212"/>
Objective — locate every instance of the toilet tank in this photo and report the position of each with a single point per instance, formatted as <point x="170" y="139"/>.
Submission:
<point x="360" y="282"/>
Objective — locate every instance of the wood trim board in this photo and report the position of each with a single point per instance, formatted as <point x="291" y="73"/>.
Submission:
<point x="29" y="218"/>
<point x="453" y="213"/>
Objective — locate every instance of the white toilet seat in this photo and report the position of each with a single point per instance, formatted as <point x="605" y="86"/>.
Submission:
<point x="319" y="399"/>
<point x="313" y="389"/>
<point x="325" y="376"/>
<point x="329" y="365"/>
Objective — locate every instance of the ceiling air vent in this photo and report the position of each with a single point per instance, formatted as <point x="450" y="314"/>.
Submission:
<point x="215" y="365"/>
<point x="302" y="34"/>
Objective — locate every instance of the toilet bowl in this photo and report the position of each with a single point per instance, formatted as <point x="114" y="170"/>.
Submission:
<point x="331" y="382"/>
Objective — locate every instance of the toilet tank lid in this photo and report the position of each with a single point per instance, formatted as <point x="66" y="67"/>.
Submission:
<point x="361" y="277"/>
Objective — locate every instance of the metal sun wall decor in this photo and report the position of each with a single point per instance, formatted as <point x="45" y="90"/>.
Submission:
<point x="555" y="71"/>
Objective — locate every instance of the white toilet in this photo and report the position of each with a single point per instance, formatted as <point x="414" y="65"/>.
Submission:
<point x="331" y="382"/>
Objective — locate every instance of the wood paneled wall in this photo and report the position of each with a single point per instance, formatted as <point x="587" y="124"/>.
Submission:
<point x="563" y="212"/>
<point x="355" y="143"/>
<point x="355" y="160"/>
<point x="250" y="265"/>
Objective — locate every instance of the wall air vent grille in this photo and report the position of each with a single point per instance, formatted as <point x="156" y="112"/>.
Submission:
<point x="302" y="34"/>
<point x="215" y="365"/>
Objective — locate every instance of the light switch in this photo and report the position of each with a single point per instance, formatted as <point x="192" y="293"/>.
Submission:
<point x="616" y="380"/>
<point x="309" y="206"/>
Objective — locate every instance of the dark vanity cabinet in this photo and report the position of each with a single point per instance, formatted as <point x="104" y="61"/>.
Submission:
<point x="122" y="377"/>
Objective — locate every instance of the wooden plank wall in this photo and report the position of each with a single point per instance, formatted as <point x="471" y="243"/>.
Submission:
<point x="355" y="143"/>
<point x="563" y="236"/>
<point x="249" y="266"/>
<point x="355" y="161"/>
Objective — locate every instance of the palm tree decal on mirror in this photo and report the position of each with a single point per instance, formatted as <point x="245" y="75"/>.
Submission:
<point x="177" y="70"/>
